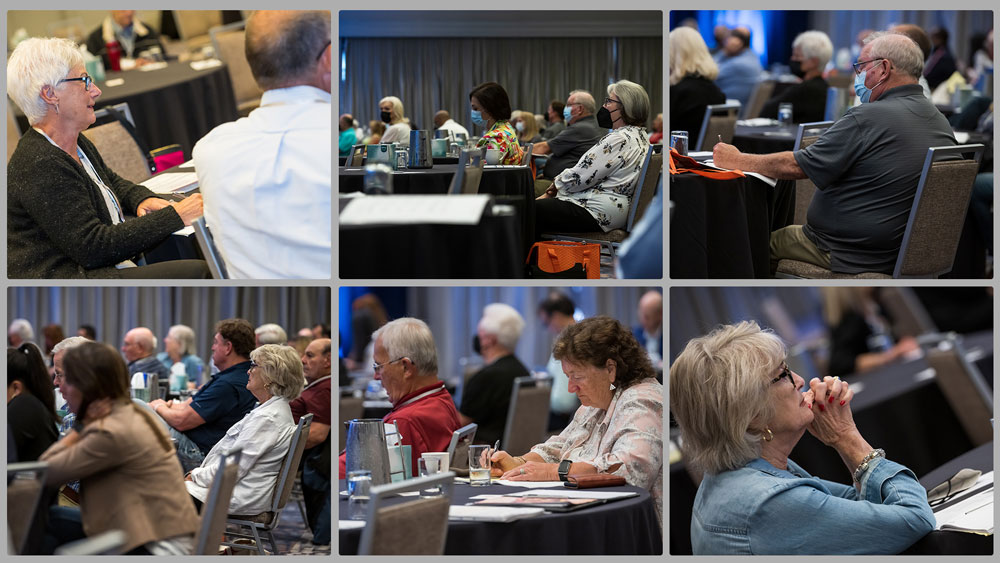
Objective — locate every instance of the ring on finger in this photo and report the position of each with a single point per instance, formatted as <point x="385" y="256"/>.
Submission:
<point x="522" y="471"/>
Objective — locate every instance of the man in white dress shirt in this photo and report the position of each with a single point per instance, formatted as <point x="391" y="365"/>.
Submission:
<point x="443" y="121"/>
<point x="266" y="178"/>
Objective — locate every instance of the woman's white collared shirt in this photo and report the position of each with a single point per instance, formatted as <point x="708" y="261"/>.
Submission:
<point x="264" y="435"/>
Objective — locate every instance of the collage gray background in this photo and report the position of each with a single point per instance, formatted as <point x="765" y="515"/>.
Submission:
<point x="334" y="283"/>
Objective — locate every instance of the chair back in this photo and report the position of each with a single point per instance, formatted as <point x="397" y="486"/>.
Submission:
<point x="761" y="94"/>
<point x="153" y="386"/>
<point x="356" y="156"/>
<point x="286" y="478"/>
<point x="965" y="389"/>
<point x="469" y="172"/>
<point x="458" y="449"/>
<point x="415" y="527"/>
<point x="838" y="97"/>
<point x="908" y="314"/>
<point x="121" y="107"/>
<point x="25" y="484"/>
<point x="805" y="189"/>
<point x="526" y="157"/>
<point x="527" y="415"/>
<point x="216" y="507"/>
<point x="108" y="543"/>
<point x="350" y="408"/>
<point x="938" y="212"/>
<point x="119" y="151"/>
<point x="208" y="249"/>
<point x="720" y="119"/>
<point x="229" y="43"/>
<point x="645" y="188"/>
<point x="193" y="25"/>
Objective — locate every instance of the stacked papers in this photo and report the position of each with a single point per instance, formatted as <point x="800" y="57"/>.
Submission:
<point x="492" y="513"/>
<point x="172" y="183"/>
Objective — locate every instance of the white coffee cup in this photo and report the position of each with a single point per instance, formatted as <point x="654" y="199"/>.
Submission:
<point x="441" y="456"/>
<point x="493" y="156"/>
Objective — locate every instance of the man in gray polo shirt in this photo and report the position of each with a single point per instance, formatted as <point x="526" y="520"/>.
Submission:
<point x="581" y="133"/>
<point x="865" y="167"/>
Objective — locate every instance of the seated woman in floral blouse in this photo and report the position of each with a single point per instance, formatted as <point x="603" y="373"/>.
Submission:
<point x="491" y="111"/>
<point x="619" y="427"/>
<point x="595" y="194"/>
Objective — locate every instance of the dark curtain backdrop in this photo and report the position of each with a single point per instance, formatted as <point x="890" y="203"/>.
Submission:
<point x="429" y="74"/>
<point x="115" y="310"/>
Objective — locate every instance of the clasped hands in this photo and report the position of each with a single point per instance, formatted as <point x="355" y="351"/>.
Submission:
<point x="190" y="208"/>
<point x="504" y="466"/>
<point x="830" y="400"/>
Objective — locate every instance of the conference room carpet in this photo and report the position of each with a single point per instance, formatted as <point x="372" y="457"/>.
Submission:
<point x="293" y="536"/>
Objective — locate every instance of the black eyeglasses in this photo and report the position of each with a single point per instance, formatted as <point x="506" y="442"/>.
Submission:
<point x="253" y="364"/>
<point x="610" y="101"/>
<point x="323" y="50"/>
<point x="377" y="368"/>
<point x="785" y="372"/>
<point x="86" y="79"/>
<point x="859" y="64"/>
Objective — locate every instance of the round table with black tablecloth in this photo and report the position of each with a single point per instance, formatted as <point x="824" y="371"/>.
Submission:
<point x="622" y="527"/>
<point x="722" y="228"/>
<point x="765" y="140"/>
<point x="176" y="104"/>
<point x="452" y="160"/>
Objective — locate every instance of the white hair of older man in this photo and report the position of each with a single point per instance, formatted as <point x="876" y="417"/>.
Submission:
<point x="899" y="49"/>
<point x="271" y="333"/>
<point x="22" y="328"/>
<point x="69" y="343"/>
<point x="35" y="63"/>
<point x="409" y="338"/>
<point x="504" y="322"/>
<point x="814" y="45"/>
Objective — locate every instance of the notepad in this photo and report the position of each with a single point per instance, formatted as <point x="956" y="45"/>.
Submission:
<point x="172" y="183"/>
<point x="492" y="513"/>
<point x="974" y="513"/>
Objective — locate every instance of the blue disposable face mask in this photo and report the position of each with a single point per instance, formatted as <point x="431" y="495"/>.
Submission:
<point x="864" y="93"/>
<point x="477" y="118"/>
<point x="520" y="127"/>
<point x="567" y="114"/>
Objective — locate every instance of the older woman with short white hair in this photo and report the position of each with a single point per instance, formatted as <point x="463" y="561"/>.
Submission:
<point x="596" y="193"/>
<point x="741" y="411"/>
<point x="275" y="378"/>
<point x="811" y="51"/>
<point x="179" y="344"/>
<point x="397" y="126"/>
<point x="66" y="210"/>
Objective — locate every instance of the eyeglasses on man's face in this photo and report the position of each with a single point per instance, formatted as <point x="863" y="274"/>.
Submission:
<point x="860" y="64"/>
<point x="85" y="78"/>
<point x="377" y="368"/>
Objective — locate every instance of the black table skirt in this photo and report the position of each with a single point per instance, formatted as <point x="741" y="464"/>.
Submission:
<point x="624" y="527"/>
<point x="453" y="160"/>
<point x="490" y="250"/>
<point x="176" y="104"/>
<point x="764" y="140"/>
<point x="722" y="228"/>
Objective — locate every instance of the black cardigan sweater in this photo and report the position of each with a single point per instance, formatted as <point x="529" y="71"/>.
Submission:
<point x="58" y="225"/>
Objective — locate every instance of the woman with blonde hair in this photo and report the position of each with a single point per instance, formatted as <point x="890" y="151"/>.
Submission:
<point x="527" y="127"/>
<point x="397" y="126"/>
<point x="692" y="86"/>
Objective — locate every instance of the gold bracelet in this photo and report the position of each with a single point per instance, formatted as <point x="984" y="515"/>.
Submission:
<point x="522" y="460"/>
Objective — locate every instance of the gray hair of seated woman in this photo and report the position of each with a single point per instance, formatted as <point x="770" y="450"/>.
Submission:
<point x="635" y="101"/>
<point x="280" y="367"/>
<point x="35" y="63"/>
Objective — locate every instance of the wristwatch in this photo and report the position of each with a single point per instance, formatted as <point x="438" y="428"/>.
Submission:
<point x="564" y="469"/>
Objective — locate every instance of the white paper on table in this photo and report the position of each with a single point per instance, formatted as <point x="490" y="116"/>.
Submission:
<point x="766" y="179"/>
<point x="699" y="155"/>
<point x="415" y="209"/>
<point x="114" y="82"/>
<point x="974" y="513"/>
<point x="758" y="122"/>
<point x="350" y="524"/>
<point x="484" y="497"/>
<point x="188" y="164"/>
<point x="153" y="66"/>
<point x="138" y="382"/>
<point x="528" y="484"/>
<point x="575" y="493"/>
<point x="962" y="137"/>
<point x="205" y="64"/>
<point x="185" y="232"/>
<point x="492" y="513"/>
<point x="172" y="183"/>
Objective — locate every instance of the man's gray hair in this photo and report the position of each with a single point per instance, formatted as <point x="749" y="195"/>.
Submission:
<point x="815" y="45"/>
<point x="22" y="328"/>
<point x="409" y="338"/>
<point x="35" y="63"/>
<point x="184" y="335"/>
<point x="69" y="343"/>
<point x="271" y="333"/>
<point x="899" y="49"/>
<point x="585" y="99"/>
<point x="280" y="56"/>
<point x="504" y="322"/>
<point x="635" y="101"/>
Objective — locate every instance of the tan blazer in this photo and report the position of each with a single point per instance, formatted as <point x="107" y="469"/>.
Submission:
<point x="128" y="481"/>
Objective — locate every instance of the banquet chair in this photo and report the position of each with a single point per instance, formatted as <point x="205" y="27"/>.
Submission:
<point x="963" y="386"/>
<point x="356" y="156"/>
<point x="228" y="41"/>
<point x="120" y="151"/>
<point x="350" y="408"/>
<point x="644" y="191"/>
<point x="805" y="189"/>
<point x="262" y="525"/>
<point x="935" y="223"/>
<point x="908" y="314"/>
<point x="414" y="527"/>
<point x="25" y="485"/>
<point x="213" y="512"/>
<point x="720" y="119"/>
<point x="527" y="415"/>
<point x="469" y="172"/>
<point x="458" y="449"/>
<point x="761" y="94"/>
<point x="108" y="543"/>
<point x="208" y="249"/>
<point x="193" y="26"/>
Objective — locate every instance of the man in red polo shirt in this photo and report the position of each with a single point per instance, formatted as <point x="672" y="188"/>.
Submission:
<point x="315" y="399"/>
<point x="423" y="410"/>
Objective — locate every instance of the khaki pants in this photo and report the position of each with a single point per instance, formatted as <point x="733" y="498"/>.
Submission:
<point x="791" y="243"/>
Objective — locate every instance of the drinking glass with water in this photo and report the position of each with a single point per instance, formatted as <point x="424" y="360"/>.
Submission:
<point x="359" y="486"/>
<point x="479" y="465"/>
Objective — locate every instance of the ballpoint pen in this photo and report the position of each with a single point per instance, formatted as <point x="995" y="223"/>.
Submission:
<point x="720" y="138"/>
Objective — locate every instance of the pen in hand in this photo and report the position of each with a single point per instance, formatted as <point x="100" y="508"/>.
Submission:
<point x="720" y="138"/>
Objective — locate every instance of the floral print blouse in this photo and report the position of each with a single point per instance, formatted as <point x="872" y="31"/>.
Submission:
<point x="502" y="136"/>
<point x="629" y="433"/>
<point x="605" y="178"/>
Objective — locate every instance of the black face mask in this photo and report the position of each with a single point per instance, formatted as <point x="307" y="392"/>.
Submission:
<point x="796" y="68"/>
<point x="476" y="346"/>
<point x="604" y="118"/>
<point x="386" y="117"/>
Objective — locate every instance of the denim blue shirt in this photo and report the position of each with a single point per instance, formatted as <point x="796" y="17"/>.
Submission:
<point x="738" y="75"/>
<point x="760" y="509"/>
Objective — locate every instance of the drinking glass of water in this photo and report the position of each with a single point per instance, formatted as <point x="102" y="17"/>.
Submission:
<point x="479" y="465"/>
<point x="359" y="486"/>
